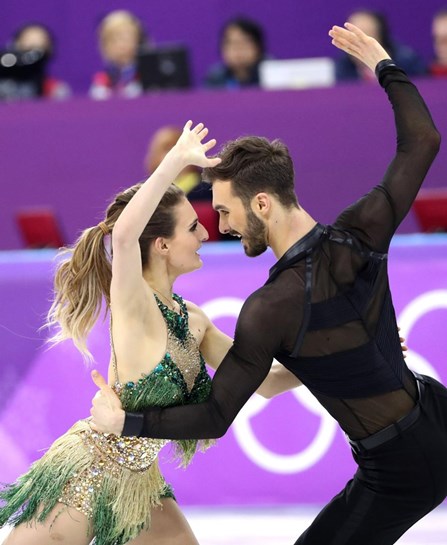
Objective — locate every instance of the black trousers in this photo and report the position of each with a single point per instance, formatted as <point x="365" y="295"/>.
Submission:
<point x="396" y="483"/>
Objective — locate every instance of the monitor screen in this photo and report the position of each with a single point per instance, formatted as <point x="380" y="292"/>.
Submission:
<point x="21" y="73"/>
<point x="164" y="68"/>
<point x="22" y="65"/>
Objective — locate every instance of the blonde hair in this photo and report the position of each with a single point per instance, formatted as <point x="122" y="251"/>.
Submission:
<point x="83" y="277"/>
<point x="115" y="21"/>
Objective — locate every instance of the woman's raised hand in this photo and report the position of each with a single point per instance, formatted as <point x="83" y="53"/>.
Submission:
<point x="192" y="150"/>
<point x="355" y="42"/>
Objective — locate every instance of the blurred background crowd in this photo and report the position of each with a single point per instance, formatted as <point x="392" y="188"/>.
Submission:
<point x="70" y="71"/>
<point x="133" y="56"/>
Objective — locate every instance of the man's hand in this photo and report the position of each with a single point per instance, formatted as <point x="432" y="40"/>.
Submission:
<point x="107" y="411"/>
<point x="353" y="41"/>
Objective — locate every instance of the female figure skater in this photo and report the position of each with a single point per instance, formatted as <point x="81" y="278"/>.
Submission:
<point x="90" y="484"/>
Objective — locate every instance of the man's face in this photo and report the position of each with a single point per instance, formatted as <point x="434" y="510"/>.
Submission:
<point x="237" y="220"/>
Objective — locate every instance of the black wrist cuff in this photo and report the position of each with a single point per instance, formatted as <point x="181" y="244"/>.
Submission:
<point x="382" y="65"/>
<point x="133" y="424"/>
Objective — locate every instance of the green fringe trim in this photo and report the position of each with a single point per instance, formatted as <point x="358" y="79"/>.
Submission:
<point x="120" y="504"/>
<point x="155" y="391"/>
<point x="122" y="509"/>
<point x="42" y="485"/>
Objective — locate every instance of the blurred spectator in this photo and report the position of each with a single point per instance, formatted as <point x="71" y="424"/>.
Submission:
<point x="190" y="180"/>
<point x="121" y="35"/>
<point x="24" y="69"/>
<point x="375" y="24"/>
<point x="439" y="33"/>
<point x="242" y="48"/>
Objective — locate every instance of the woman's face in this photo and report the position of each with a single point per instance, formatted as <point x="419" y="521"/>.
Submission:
<point x="119" y="43"/>
<point x="188" y="237"/>
<point x="239" y="51"/>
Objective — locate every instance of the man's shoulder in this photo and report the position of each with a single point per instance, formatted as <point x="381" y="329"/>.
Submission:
<point x="271" y="297"/>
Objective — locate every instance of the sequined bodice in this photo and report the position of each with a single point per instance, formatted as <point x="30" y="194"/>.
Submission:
<point x="180" y="378"/>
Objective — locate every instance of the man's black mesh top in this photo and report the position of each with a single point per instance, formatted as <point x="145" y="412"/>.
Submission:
<point x="326" y="311"/>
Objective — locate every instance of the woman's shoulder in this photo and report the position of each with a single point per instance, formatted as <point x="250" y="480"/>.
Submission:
<point x="194" y="310"/>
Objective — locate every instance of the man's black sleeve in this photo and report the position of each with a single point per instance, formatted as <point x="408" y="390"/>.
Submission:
<point x="376" y="216"/>
<point x="239" y="375"/>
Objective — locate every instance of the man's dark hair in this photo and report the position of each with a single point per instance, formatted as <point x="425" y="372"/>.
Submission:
<point x="254" y="165"/>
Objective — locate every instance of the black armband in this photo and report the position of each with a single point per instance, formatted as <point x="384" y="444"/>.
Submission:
<point x="133" y="424"/>
<point x="388" y="72"/>
<point x="383" y="64"/>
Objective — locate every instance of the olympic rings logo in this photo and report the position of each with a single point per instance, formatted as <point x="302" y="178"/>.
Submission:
<point x="416" y="309"/>
<point x="322" y="441"/>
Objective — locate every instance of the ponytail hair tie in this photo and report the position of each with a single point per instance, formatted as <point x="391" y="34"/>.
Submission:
<point x="104" y="228"/>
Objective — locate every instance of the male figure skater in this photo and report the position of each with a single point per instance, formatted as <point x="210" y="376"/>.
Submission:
<point x="326" y="314"/>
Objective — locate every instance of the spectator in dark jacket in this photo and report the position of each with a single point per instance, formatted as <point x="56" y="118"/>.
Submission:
<point x="242" y="49"/>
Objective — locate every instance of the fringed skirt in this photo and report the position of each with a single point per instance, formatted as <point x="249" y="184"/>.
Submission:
<point x="114" y="481"/>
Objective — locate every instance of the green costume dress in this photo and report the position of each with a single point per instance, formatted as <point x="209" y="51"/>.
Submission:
<point x="115" y="480"/>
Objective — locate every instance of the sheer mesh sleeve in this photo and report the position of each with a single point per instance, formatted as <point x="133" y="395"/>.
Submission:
<point x="376" y="216"/>
<point x="240" y="374"/>
<point x="274" y="315"/>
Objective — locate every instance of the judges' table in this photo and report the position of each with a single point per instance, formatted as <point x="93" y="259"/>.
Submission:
<point x="285" y="450"/>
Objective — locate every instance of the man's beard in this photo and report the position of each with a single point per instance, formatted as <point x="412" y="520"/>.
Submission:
<point x="255" y="235"/>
